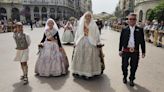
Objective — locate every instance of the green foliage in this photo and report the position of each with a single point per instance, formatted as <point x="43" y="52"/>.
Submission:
<point x="157" y="12"/>
<point x="150" y="15"/>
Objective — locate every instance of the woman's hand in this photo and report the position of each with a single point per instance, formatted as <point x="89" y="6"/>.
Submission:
<point x="40" y="45"/>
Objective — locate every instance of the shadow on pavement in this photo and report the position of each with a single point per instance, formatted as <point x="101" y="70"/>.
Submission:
<point x="98" y="84"/>
<point x="19" y="87"/>
<point x="55" y="83"/>
<point x="137" y="88"/>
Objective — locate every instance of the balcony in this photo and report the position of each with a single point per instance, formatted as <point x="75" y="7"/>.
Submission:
<point x="32" y="2"/>
<point x="11" y="1"/>
<point x="137" y="2"/>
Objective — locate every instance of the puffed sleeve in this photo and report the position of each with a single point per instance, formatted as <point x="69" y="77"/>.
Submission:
<point x="58" y="39"/>
<point x="44" y="38"/>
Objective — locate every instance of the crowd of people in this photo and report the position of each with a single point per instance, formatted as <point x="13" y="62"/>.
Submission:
<point x="153" y="30"/>
<point x="88" y="57"/>
<point x="156" y="31"/>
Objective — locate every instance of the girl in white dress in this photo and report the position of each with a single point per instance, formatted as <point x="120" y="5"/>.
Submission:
<point x="86" y="60"/>
<point x="52" y="60"/>
<point x="22" y="43"/>
<point x="68" y="35"/>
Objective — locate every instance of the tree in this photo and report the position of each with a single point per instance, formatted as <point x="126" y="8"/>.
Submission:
<point x="157" y="12"/>
<point x="150" y="15"/>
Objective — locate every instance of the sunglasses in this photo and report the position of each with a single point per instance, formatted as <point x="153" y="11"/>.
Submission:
<point x="132" y="19"/>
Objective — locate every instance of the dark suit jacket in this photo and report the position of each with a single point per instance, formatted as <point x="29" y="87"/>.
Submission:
<point x="99" y="24"/>
<point x="138" y="38"/>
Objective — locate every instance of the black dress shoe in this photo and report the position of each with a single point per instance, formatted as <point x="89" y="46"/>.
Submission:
<point x="131" y="83"/>
<point x="124" y="80"/>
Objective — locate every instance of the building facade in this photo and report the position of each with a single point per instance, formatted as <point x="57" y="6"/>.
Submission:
<point x="125" y="7"/>
<point x="10" y="9"/>
<point x="143" y="7"/>
<point x="42" y="9"/>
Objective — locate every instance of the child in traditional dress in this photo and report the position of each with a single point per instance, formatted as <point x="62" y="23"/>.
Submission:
<point x="22" y="43"/>
<point x="52" y="59"/>
<point x="68" y="35"/>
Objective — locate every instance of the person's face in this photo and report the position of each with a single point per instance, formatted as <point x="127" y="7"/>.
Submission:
<point x="50" y="24"/>
<point x="88" y="17"/>
<point x="132" y="20"/>
<point x="19" y="28"/>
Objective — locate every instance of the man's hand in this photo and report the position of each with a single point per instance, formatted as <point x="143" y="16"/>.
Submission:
<point x="120" y="53"/>
<point x="143" y="55"/>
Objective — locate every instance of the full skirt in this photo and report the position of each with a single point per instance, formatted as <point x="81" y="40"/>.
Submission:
<point x="86" y="60"/>
<point x="68" y="36"/>
<point x="51" y="61"/>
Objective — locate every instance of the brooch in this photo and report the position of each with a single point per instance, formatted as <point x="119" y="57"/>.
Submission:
<point x="137" y="29"/>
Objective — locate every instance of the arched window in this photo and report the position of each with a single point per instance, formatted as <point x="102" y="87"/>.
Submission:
<point x="147" y="13"/>
<point x="141" y="15"/>
<point x="3" y="13"/>
<point x="15" y="14"/>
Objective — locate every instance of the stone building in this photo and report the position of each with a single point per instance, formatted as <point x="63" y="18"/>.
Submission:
<point x="142" y="7"/>
<point x="125" y="7"/>
<point x="42" y="9"/>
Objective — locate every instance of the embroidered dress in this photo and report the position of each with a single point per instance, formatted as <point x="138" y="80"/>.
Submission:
<point x="68" y="35"/>
<point x="86" y="58"/>
<point x="51" y="61"/>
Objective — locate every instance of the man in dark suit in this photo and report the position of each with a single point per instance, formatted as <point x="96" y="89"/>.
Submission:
<point x="131" y="39"/>
<point x="99" y="24"/>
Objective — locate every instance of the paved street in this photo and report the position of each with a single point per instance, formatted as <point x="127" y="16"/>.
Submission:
<point x="149" y="75"/>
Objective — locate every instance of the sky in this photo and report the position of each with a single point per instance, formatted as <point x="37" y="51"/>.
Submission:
<point x="108" y="6"/>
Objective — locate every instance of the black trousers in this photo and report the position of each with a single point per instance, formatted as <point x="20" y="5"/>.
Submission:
<point x="134" y="58"/>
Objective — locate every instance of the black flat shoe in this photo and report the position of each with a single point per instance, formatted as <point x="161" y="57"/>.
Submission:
<point x="131" y="83"/>
<point x="75" y="75"/>
<point x="25" y="81"/>
<point x="124" y="80"/>
<point x="22" y="77"/>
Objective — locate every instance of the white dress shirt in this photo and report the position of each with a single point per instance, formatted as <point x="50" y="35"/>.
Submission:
<point x="131" y="43"/>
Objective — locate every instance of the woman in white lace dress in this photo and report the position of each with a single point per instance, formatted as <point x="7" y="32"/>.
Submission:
<point x="86" y="60"/>
<point x="52" y="60"/>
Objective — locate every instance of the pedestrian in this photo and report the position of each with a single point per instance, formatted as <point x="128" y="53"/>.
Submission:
<point x="68" y="35"/>
<point x="1" y="26"/>
<point x="52" y="59"/>
<point x="22" y="44"/>
<point x="131" y="38"/>
<point x="161" y="33"/>
<point x="31" y="25"/>
<point x="99" y="24"/>
<point x="147" y="30"/>
<point x="86" y="58"/>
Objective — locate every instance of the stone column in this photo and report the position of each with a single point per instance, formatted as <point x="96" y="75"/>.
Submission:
<point x="32" y="12"/>
<point x="40" y="12"/>
<point x="8" y="11"/>
<point x="22" y="18"/>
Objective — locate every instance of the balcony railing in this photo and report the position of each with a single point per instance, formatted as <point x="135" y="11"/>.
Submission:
<point x="142" y="1"/>
<point x="11" y="1"/>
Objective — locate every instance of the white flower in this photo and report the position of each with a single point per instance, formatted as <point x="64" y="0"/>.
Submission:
<point x="137" y="29"/>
